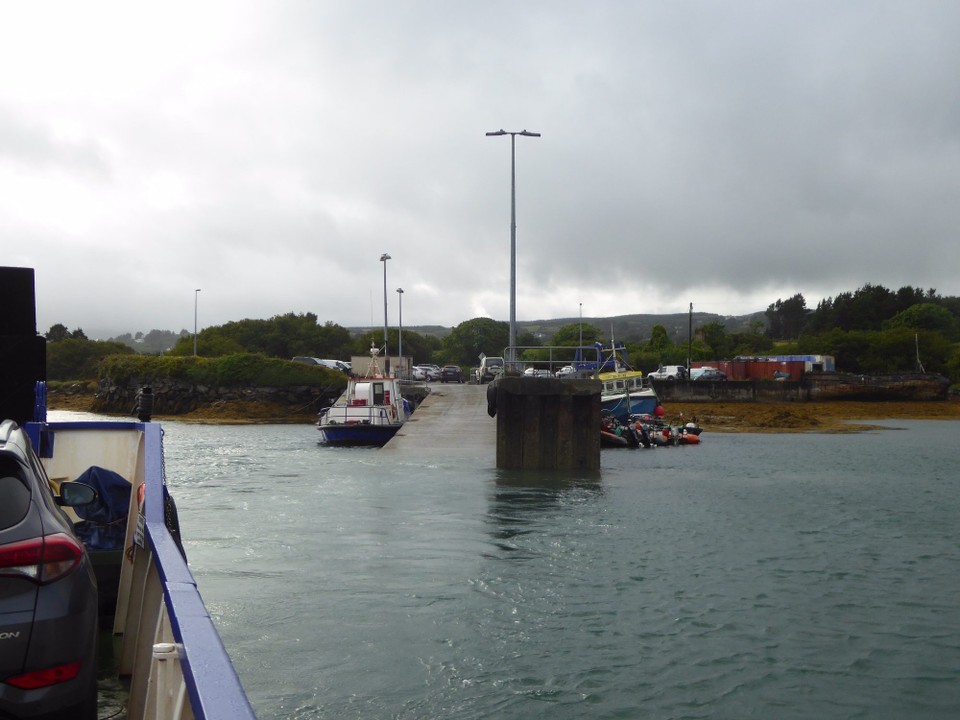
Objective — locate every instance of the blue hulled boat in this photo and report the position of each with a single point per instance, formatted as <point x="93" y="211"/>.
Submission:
<point x="369" y="412"/>
<point x="625" y="393"/>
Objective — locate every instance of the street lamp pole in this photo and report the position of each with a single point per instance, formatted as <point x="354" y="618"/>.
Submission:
<point x="513" y="229"/>
<point x="400" y="331"/>
<point x="196" y="295"/>
<point x="581" y="324"/>
<point x="386" y="355"/>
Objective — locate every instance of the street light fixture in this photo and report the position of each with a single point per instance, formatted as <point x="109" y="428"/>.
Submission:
<point x="513" y="229"/>
<point x="196" y="296"/>
<point x="400" y="332"/>
<point x="581" y="325"/>
<point x="386" y="355"/>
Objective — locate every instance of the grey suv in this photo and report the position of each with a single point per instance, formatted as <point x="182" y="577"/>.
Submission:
<point x="48" y="593"/>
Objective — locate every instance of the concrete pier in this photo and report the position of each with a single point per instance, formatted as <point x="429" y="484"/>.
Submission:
<point x="541" y="423"/>
<point x="452" y="420"/>
<point x="548" y="424"/>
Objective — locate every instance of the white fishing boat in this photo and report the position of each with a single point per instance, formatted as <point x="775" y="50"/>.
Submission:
<point x="369" y="412"/>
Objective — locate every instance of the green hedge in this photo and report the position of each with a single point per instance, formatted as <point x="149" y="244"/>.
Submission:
<point x="242" y="369"/>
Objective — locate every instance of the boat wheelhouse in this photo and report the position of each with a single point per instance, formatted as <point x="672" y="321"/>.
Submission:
<point x="627" y="393"/>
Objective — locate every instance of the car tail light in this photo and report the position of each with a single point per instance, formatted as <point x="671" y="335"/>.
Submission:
<point x="46" y="677"/>
<point x="41" y="560"/>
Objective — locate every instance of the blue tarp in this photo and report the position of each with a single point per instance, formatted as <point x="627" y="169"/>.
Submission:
<point x="104" y="522"/>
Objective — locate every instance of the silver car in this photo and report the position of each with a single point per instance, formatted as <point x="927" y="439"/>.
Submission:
<point x="48" y="592"/>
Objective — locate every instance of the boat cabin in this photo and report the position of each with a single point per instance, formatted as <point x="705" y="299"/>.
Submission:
<point x="370" y="392"/>
<point x="623" y="384"/>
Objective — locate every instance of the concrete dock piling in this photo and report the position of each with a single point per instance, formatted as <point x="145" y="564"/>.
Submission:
<point x="545" y="423"/>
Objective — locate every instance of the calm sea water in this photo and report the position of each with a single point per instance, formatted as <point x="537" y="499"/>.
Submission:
<point x="766" y="576"/>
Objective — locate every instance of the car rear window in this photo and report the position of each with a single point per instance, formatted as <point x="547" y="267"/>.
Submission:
<point x="14" y="500"/>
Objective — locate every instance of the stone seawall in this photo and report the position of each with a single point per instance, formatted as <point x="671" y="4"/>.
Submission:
<point x="173" y="398"/>
<point x="908" y="387"/>
<point x="729" y="390"/>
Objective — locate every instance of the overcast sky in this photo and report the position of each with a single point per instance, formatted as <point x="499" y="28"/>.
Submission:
<point x="724" y="154"/>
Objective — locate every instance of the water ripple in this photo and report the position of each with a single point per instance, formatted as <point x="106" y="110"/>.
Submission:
<point x="760" y="576"/>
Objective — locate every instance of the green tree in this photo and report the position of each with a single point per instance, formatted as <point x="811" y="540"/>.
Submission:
<point x="953" y="367"/>
<point x="79" y="359"/>
<point x="569" y="335"/>
<point x="659" y="339"/>
<point x="715" y="338"/>
<point x="867" y="308"/>
<point x="57" y="332"/>
<point x="282" y="336"/>
<point x="878" y="352"/>
<point x="926" y="316"/>
<point x="786" y="318"/>
<point x="470" y="338"/>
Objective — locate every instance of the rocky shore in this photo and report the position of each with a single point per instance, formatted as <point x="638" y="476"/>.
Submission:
<point x="785" y="417"/>
<point x="233" y="411"/>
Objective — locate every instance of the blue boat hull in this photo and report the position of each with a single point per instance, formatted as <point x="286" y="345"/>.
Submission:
<point x="358" y="434"/>
<point x="617" y="406"/>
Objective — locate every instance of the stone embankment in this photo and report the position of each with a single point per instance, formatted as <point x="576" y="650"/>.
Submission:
<point x="901" y="387"/>
<point x="200" y="403"/>
<point x="287" y="404"/>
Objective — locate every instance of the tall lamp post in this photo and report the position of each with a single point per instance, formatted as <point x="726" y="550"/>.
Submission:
<point x="403" y="368"/>
<point x="581" y="325"/>
<point x="196" y="296"/>
<point x="513" y="228"/>
<point x="386" y="355"/>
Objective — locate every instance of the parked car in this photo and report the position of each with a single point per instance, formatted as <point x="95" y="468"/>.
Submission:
<point x="418" y="373"/>
<point x="490" y="368"/>
<point x="711" y="374"/>
<point x="668" y="372"/>
<point x="48" y="592"/>
<point x="340" y="365"/>
<point x="431" y="371"/>
<point x="566" y="371"/>
<point x="537" y="372"/>
<point x="451" y="373"/>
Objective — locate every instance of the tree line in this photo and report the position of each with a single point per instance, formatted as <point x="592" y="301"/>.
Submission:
<point x="872" y="330"/>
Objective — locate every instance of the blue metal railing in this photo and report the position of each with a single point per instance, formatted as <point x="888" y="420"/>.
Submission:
<point x="213" y="688"/>
<point x="212" y="683"/>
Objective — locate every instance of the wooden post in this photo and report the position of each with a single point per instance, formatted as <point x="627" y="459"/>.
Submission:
<point x="548" y="424"/>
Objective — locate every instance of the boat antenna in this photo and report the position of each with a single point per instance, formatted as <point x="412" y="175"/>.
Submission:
<point x="374" y="369"/>
<point x="617" y="366"/>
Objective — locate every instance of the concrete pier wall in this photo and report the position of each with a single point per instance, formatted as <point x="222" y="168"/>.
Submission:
<point x="545" y="423"/>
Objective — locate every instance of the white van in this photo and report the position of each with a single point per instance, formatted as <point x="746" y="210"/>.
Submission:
<point x="669" y="372"/>
<point x="332" y="364"/>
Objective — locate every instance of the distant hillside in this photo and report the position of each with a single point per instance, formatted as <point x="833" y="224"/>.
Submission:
<point x="625" y="328"/>
<point x="635" y="328"/>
